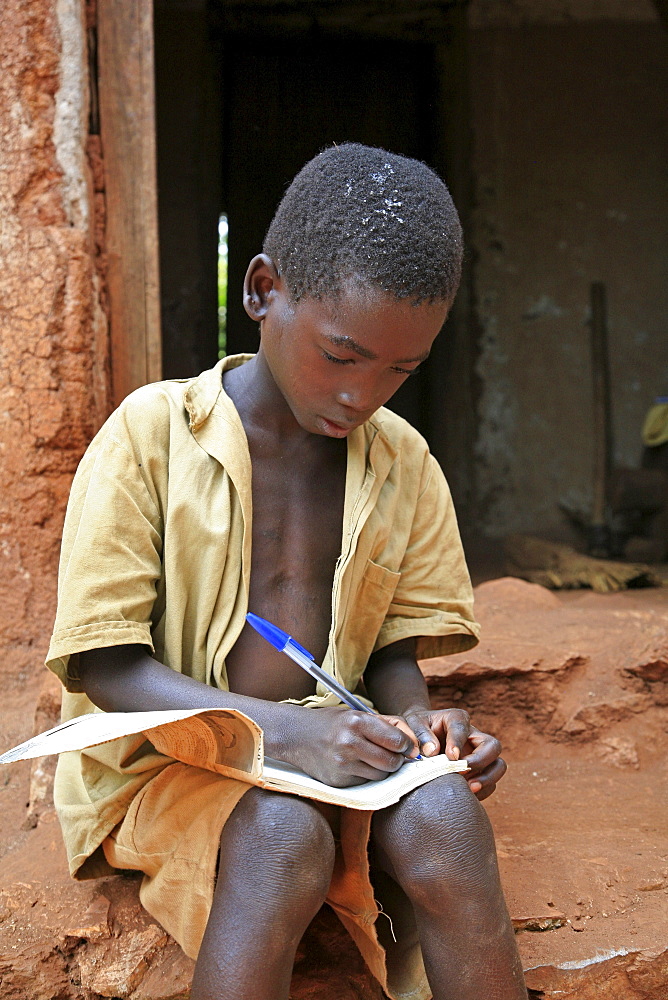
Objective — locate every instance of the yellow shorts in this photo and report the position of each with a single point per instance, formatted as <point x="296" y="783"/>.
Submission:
<point x="172" y="831"/>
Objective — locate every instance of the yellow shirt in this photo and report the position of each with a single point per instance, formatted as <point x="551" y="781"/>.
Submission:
<point x="156" y="550"/>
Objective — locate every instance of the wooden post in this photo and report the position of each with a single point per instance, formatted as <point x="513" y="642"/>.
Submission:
<point x="452" y="368"/>
<point x="127" y="126"/>
<point x="602" y="420"/>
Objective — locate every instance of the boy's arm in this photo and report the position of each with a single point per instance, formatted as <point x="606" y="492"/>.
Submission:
<point x="335" y="745"/>
<point x="396" y="686"/>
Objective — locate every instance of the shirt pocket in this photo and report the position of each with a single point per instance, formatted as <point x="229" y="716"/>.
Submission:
<point x="367" y="607"/>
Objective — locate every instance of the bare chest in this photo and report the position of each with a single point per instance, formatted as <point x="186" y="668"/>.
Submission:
<point x="296" y="541"/>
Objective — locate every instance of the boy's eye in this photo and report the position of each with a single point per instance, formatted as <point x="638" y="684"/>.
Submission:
<point x="351" y="361"/>
<point x="337" y="361"/>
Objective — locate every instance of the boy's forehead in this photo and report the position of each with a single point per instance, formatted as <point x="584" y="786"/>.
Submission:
<point x="356" y="300"/>
<point x="350" y="318"/>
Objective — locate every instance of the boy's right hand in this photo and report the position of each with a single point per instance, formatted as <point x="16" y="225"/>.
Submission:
<point x="343" y="747"/>
<point x="336" y="745"/>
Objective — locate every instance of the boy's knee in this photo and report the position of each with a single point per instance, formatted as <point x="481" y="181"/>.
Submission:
<point x="438" y="839"/>
<point x="288" y="843"/>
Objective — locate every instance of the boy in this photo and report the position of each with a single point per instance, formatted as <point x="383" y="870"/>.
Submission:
<point x="278" y="483"/>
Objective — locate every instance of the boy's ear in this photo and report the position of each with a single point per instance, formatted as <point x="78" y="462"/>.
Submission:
<point x="261" y="280"/>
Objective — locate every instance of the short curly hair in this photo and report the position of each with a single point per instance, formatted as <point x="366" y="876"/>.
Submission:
<point x="360" y="213"/>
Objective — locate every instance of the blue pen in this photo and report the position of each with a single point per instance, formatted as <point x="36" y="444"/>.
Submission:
<point x="284" y="643"/>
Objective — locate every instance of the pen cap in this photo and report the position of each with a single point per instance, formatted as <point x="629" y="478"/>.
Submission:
<point x="275" y="635"/>
<point x="272" y="633"/>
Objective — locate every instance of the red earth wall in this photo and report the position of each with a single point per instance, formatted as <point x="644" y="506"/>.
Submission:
<point x="53" y="343"/>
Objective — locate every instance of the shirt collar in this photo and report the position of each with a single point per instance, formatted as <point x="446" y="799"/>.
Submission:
<point x="368" y="443"/>
<point x="206" y="390"/>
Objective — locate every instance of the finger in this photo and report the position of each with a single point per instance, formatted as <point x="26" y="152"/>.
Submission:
<point x="487" y="750"/>
<point x="490" y="776"/>
<point x="355" y="755"/>
<point x="381" y="732"/>
<point x="427" y="740"/>
<point x="403" y="725"/>
<point x="458" y="729"/>
<point x="379" y="758"/>
<point x="485" y="784"/>
<point x="357" y="774"/>
<point x="484" y="793"/>
<point x="365" y="772"/>
<point x="373" y="741"/>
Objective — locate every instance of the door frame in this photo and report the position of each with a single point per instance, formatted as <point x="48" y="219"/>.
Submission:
<point x="125" y="52"/>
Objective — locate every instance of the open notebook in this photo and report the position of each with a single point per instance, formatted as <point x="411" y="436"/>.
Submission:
<point x="229" y="743"/>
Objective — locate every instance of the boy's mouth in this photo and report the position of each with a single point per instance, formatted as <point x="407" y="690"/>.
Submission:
<point x="332" y="429"/>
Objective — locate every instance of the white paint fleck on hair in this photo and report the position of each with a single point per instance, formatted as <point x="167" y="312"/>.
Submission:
<point x="382" y="175"/>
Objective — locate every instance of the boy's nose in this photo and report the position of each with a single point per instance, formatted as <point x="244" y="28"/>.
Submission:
<point x="354" y="399"/>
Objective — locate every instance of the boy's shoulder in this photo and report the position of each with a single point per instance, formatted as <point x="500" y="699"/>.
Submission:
<point x="188" y="400"/>
<point x="401" y="435"/>
<point x="156" y="399"/>
<point x="147" y="417"/>
<point x="155" y="410"/>
<point x="412" y="461"/>
<point x="146" y="426"/>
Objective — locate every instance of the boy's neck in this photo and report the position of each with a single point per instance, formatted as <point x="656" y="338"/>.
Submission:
<point x="260" y="403"/>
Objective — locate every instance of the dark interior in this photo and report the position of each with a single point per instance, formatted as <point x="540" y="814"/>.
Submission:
<point x="238" y="113"/>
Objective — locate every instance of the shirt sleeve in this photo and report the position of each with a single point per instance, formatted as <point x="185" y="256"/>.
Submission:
<point x="433" y="600"/>
<point x="110" y="560"/>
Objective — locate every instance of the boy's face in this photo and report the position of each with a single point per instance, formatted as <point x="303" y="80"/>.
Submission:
<point x="336" y="361"/>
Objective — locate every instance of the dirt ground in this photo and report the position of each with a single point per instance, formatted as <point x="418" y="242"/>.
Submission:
<point x="575" y="685"/>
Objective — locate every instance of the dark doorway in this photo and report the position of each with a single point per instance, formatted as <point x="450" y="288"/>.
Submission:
<point x="286" y="101"/>
<point x="246" y="94"/>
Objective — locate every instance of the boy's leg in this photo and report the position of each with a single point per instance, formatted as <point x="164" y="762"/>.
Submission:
<point x="276" y="859"/>
<point x="437" y="843"/>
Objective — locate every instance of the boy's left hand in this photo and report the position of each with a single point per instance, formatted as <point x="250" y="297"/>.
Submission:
<point x="450" y="731"/>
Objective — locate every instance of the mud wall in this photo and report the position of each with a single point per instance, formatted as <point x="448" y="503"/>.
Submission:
<point x="570" y="137"/>
<point x="53" y="332"/>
